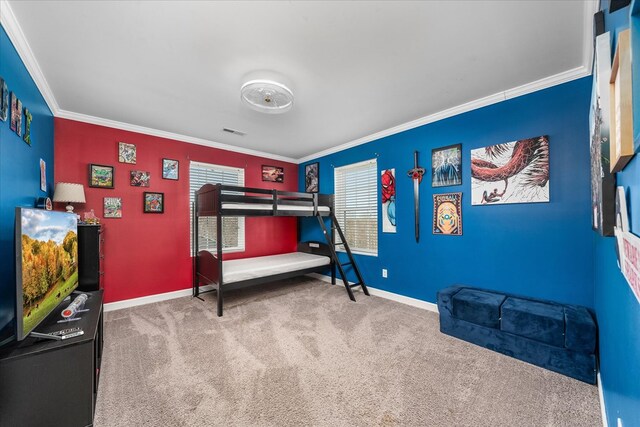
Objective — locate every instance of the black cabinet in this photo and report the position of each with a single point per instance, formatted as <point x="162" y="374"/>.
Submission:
<point x="53" y="383"/>
<point x="90" y="238"/>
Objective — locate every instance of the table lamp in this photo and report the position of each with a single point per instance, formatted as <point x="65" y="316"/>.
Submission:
<point x="70" y="193"/>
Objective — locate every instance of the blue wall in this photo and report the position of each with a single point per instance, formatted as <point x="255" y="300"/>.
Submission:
<point x="19" y="169"/>
<point x="541" y="250"/>
<point x="617" y="310"/>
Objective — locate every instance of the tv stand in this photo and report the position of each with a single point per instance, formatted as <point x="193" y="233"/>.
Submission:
<point x="45" y="382"/>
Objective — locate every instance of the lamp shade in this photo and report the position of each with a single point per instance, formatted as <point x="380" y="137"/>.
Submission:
<point x="69" y="192"/>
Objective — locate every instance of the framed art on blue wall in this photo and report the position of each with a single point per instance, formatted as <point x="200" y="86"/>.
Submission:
<point x="4" y="100"/>
<point x="312" y="177"/>
<point x="511" y="172"/>
<point x="446" y="166"/>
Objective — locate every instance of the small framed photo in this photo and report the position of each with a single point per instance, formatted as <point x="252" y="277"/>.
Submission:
<point x="112" y="207"/>
<point x="140" y="178"/>
<point x="153" y="202"/>
<point x="272" y="173"/>
<point x="312" y="178"/>
<point x="126" y="153"/>
<point x="446" y="166"/>
<point x="170" y="169"/>
<point x="101" y="176"/>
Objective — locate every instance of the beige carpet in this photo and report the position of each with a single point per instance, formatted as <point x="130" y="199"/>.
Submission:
<point x="299" y="353"/>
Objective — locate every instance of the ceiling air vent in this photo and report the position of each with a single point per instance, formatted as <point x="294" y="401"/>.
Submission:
<point x="233" y="131"/>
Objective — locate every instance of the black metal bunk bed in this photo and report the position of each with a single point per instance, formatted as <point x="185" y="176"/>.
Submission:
<point x="216" y="200"/>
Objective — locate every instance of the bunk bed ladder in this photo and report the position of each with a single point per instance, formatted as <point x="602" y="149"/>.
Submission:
<point x="352" y="262"/>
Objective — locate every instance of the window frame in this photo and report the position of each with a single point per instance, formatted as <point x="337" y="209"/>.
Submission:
<point x="374" y="208"/>
<point x="241" y="220"/>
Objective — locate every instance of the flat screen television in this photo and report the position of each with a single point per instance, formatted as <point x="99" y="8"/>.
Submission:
<point x="46" y="264"/>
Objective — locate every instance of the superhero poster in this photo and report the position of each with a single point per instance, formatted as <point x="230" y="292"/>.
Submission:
<point x="447" y="214"/>
<point x="513" y="172"/>
<point x="388" y="200"/>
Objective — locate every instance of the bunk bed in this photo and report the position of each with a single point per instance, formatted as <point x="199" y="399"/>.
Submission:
<point x="216" y="200"/>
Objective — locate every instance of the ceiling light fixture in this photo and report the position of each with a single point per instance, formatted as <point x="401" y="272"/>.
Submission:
<point x="267" y="96"/>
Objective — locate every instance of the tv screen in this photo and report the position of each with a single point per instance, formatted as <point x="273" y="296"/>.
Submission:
<point x="46" y="264"/>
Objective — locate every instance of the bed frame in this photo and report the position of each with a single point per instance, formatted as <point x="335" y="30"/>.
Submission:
<point x="215" y="199"/>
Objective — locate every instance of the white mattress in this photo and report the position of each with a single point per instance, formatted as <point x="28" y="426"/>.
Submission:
<point x="250" y="268"/>
<point x="265" y="207"/>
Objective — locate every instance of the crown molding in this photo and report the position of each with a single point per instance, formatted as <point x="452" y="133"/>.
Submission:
<point x="17" y="37"/>
<point x="168" y="135"/>
<point x="547" y="82"/>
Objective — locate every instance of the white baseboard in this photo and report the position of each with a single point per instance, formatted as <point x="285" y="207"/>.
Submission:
<point x="425" y="305"/>
<point x="133" y="302"/>
<point x="603" y="409"/>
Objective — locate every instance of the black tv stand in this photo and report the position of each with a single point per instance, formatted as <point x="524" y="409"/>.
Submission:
<point x="45" y="382"/>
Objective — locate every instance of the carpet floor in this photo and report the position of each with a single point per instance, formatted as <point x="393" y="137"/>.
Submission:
<point x="299" y="353"/>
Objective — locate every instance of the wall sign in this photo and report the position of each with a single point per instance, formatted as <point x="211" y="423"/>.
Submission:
<point x="628" y="248"/>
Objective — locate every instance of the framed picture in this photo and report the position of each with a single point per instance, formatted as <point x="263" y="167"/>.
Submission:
<point x="621" y="146"/>
<point x="43" y="175"/>
<point x="447" y="214"/>
<point x="446" y="166"/>
<point x="312" y="178"/>
<point x="126" y="153"/>
<point x="170" y="169"/>
<point x="388" y="200"/>
<point x="272" y="173"/>
<point x="140" y="178"/>
<point x="4" y="100"/>
<point x="512" y="172"/>
<point x="112" y="207"/>
<point x="101" y="176"/>
<point x="153" y="202"/>
<point x="16" y="115"/>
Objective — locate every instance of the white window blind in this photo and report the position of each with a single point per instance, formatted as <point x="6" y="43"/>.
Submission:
<point x="356" y="195"/>
<point x="232" y="227"/>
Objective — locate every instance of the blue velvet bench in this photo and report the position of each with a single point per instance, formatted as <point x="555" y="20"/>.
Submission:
<point x="554" y="336"/>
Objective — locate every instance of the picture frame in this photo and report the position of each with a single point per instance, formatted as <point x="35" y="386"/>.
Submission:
<point x="112" y="207"/>
<point x="312" y="177"/>
<point x="621" y="146"/>
<point x="170" y="169"/>
<point x="446" y="166"/>
<point x="140" y="179"/>
<point x="101" y="176"/>
<point x="153" y="202"/>
<point x="272" y="173"/>
<point x="126" y="153"/>
<point x="16" y="115"/>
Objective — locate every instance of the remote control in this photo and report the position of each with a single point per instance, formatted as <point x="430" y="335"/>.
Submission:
<point x="64" y="332"/>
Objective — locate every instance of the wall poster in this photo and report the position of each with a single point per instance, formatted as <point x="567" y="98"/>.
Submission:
<point x="447" y="214"/>
<point x="513" y="172"/>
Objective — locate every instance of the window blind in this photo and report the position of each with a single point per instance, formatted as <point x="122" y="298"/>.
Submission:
<point x="356" y="208"/>
<point x="232" y="227"/>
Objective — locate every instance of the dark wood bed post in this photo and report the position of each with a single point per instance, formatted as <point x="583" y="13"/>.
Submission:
<point x="194" y="247"/>
<point x="219" y="246"/>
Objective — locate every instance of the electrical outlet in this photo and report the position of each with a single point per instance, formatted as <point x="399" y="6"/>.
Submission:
<point x="384" y="273"/>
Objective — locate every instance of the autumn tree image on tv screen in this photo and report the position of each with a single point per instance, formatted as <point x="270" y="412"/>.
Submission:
<point x="49" y="262"/>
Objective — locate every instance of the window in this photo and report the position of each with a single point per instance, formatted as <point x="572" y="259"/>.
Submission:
<point x="356" y="195"/>
<point x="232" y="227"/>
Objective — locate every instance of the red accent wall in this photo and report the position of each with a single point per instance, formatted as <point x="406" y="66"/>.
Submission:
<point x="147" y="254"/>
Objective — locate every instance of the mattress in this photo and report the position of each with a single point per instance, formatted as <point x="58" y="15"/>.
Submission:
<point x="266" y="207"/>
<point x="250" y="268"/>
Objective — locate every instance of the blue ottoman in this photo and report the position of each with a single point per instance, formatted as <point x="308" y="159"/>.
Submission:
<point x="558" y="337"/>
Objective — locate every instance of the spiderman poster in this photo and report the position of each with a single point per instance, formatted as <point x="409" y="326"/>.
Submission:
<point x="388" y="199"/>
<point x="513" y="172"/>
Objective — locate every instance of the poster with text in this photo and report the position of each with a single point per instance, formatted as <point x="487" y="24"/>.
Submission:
<point x="447" y="214"/>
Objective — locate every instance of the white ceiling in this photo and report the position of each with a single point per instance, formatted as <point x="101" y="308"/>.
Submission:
<point x="355" y="68"/>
